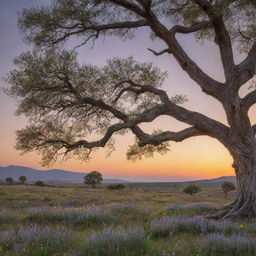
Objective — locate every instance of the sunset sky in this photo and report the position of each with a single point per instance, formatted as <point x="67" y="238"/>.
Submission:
<point x="195" y="158"/>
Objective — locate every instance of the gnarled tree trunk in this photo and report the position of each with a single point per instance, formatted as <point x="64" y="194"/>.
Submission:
<point x="244" y="155"/>
<point x="245" y="202"/>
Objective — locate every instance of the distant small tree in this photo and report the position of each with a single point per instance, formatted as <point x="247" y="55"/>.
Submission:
<point x="9" y="180"/>
<point x="22" y="179"/>
<point x="39" y="183"/>
<point x="227" y="187"/>
<point x="191" y="189"/>
<point x="116" y="186"/>
<point x="93" y="178"/>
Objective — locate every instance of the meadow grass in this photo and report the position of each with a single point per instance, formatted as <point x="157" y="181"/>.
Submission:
<point x="118" y="242"/>
<point x="35" y="241"/>
<point x="170" y="226"/>
<point x="77" y="216"/>
<point x="71" y="220"/>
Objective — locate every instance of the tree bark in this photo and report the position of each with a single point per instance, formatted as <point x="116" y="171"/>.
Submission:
<point x="244" y="206"/>
<point x="241" y="144"/>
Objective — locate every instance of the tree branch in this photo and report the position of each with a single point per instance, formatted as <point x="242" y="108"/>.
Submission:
<point x="91" y="101"/>
<point x="99" y="28"/>
<point x="208" y="84"/>
<point x="205" y="124"/>
<point x="146" y="139"/>
<point x="194" y="28"/>
<point x="143" y="137"/>
<point x="222" y="37"/>
<point x="84" y="143"/>
<point x="254" y="128"/>
<point x="161" y="52"/>
<point x="129" y="6"/>
<point x="249" y="100"/>
<point x="146" y="116"/>
<point x="139" y="89"/>
<point x="247" y="68"/>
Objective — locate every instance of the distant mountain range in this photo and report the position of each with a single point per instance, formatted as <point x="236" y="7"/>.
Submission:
<point x="61" y="176"/>
<point x="205" y="183"/>
<point x="53" y="175"/>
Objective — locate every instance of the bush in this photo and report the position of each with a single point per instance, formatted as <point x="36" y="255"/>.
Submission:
<point x="227" y="187"/>
<point x="116" y="186"/>
<point x="219" y="245"/>
<point x="9" y="180"/>
<point x="118" y="242"/>
<point x="191" y="189"/>
<point x="39" y="183"/>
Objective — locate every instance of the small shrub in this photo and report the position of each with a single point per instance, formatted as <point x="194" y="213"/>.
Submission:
<point x="219" y="245"/>
<point x="9" y="180"/>
<point x="227" y="187"/>
<point x="118" y="242"/>
<point x="116" y="186"/>
<point x="39" y="183"/>
<point x="191" y="189"/>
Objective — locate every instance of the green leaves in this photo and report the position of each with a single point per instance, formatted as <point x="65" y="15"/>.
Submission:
<point x="66" y="102"/>
<point x="138" y="151"/>
<point x="47" y="26"/>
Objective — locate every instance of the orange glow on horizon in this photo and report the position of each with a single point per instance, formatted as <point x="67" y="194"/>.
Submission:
<point x="196" y="158"/>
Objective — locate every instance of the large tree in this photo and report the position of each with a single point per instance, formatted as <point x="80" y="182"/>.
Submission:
<point x="65" y="101"/>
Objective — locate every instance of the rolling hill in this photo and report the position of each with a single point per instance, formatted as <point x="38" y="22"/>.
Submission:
<point x="62" y="176"/>
<point x="53" y="175"/>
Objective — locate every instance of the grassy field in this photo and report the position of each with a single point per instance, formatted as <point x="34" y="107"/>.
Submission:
<point x="155" y="221"/>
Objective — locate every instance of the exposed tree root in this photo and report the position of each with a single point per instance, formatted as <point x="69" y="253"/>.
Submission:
<point x="237" y="210"/>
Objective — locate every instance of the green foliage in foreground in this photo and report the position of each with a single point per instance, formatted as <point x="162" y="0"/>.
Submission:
<point x="80" y="222"/>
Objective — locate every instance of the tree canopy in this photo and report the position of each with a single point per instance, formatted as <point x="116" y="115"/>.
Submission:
<point x="9" y="180"/>
<point x="191" y="189"/>
<point x="227" y="187"/>
<point x="93" y="178"/>
<point x="22" y="179"/>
